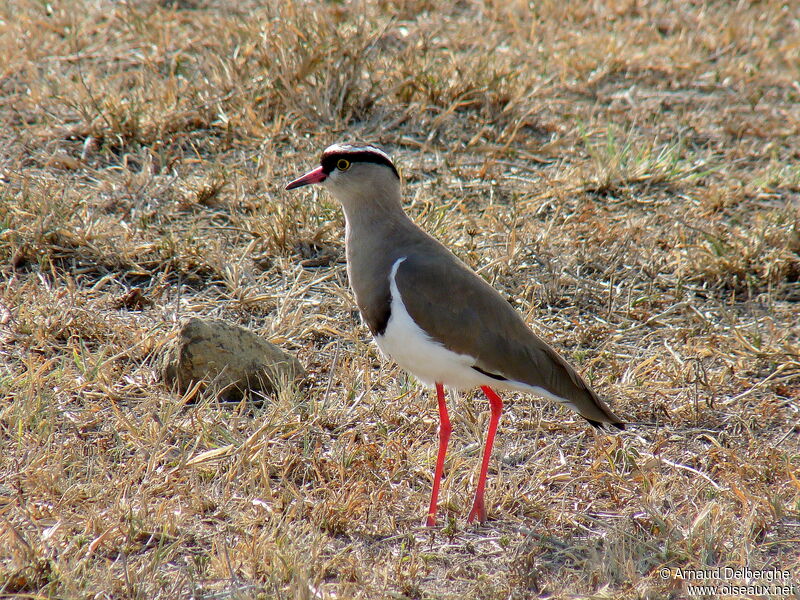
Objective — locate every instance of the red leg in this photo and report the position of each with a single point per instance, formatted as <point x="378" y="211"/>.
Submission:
<point x="478" y="510"/>
<point x="444" y="437"/>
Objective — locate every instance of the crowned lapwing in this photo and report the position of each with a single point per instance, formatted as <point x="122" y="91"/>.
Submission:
<point x="434" y="316"/>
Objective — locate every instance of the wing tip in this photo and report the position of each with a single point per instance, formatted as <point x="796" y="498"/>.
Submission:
<point x="604" y="425"/>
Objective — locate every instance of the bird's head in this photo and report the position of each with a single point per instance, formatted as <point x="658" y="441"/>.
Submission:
<point x="353" y="174"/>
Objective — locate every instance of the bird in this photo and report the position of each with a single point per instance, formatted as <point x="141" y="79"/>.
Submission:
<point x="434" y="316"/>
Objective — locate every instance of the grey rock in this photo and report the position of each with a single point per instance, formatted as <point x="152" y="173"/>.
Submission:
<point x="229" y="360"/>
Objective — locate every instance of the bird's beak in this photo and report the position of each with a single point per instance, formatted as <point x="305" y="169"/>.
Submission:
<point x="315" y="176"/>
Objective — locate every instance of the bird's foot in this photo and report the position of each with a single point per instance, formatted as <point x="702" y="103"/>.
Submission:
<point x="478" y="512"/>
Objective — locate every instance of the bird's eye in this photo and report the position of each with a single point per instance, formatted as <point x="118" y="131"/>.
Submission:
<point x="342" y="164"/>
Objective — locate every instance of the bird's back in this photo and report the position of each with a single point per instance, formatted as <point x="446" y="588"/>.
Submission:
<point x="460" y="310"/>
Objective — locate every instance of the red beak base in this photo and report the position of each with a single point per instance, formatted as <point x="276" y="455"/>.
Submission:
<point x="315" y="176"/>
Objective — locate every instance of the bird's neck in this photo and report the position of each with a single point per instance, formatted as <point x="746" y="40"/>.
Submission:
<point x="366" y="204"/>
<point x="369" y="221"/>
<point x="369" y="229"/>
<point x="377" y="232"/>
<point x="372" y="214"/>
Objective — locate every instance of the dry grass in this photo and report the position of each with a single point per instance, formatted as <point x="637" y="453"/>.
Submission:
<point x="625" y="171"/>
